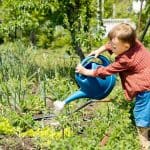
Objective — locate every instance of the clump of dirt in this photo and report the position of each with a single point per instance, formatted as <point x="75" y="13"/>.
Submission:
<point x="16" y="143"/>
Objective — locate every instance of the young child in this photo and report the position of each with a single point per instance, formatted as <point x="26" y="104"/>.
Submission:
<point x="132" y="62"/>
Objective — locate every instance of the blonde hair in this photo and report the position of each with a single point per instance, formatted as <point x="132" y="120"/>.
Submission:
<point x="124" y="32"/>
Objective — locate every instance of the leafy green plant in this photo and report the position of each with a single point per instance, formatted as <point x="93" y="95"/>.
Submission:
<point x="146" y="41"/>
<point x="6" y="127"/>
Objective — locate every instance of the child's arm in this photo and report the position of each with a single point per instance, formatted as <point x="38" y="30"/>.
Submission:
<point x="100" y="50"/>
<point x="121" y="64"/>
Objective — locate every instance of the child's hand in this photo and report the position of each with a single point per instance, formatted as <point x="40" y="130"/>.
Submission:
<point x="82" y="70"/>
<point x="97" y="52"/>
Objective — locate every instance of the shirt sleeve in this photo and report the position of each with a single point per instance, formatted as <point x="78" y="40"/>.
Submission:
<point x="114" y="68"/>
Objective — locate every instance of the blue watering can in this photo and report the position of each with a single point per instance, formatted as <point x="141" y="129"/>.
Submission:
<point x="92" y="87"/>
<point x="95" y="88"/>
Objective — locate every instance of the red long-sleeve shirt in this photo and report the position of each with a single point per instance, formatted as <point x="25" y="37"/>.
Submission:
<point x="133" y="67"/>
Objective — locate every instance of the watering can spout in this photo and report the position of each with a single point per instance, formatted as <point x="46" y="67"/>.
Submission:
<point x="59" y="105"/>
<point x="78" y="94"/>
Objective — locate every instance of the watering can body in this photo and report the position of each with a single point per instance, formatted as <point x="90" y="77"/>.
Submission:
<point x="93" y="87"/>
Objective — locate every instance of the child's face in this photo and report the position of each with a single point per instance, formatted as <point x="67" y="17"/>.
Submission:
<point x="119" y="47"/>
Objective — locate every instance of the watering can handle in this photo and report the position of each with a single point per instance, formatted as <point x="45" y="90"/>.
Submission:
<point x="84" y="62"/>
<point x="105" y="61"/>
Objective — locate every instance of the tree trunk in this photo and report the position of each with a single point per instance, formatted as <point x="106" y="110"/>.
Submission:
<point x="73" y="14"/>
<point x="99" y="14"/>
<point x="145" y="30"/>
<point x="140" y="15"/>
<point x="77" y="46"/>
<point x="32" y="37"/>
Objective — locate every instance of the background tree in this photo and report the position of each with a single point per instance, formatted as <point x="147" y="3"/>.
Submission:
<point x="22" y="19"/>
<point x="36" y="21"/>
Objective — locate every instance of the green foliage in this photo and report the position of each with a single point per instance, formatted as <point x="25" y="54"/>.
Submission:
<point x="22" y="122"/>
<point x="60" y="87"/>
<point x="15" y="73"/>
<point x="31" y="104"/>
<point x="146" y="41"/>
<point x="35" y="22"/>
<point x="61" y="37"/>
<point x="6" y="127"/>
<point x="145" y="16"/>
<point x="21" y="18"/>
<point x="47" y="135"/>
<point x="119" y="11"/>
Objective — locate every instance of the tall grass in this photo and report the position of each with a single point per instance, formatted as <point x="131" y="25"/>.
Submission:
<point x="26" y="71"/>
